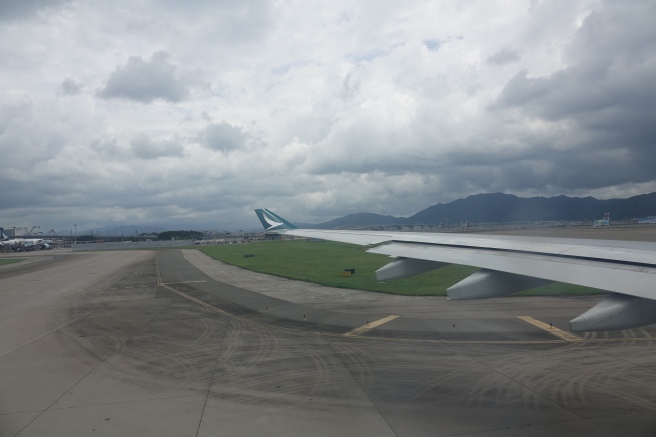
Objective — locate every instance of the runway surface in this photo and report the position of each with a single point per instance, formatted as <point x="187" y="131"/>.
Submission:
<point x="173" y="343"/>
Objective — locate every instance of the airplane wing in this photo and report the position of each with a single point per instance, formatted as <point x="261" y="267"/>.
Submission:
<point x="509" y="264"/>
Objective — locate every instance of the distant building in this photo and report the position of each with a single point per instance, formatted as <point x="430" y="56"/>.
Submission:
<point x="651" y="220"/>
<point x="603" y="222"/>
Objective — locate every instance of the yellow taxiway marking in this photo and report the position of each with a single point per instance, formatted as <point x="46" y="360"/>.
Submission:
<point x="369" y="326"/>
<point x="564" y="335"/>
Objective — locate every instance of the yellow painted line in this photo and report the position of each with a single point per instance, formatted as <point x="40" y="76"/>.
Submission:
<point x="564" y="335"/>
<point x="369" y="326"/>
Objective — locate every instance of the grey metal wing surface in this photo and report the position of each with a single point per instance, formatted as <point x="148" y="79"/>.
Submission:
<point x="509" y="264"/>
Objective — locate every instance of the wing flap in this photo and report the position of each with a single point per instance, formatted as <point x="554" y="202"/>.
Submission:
<point x="620" y="278"/>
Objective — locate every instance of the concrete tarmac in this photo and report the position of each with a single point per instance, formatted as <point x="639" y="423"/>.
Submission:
<point x="174" y="343"/>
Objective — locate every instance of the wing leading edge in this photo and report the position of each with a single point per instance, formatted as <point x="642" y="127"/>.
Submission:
<point x="512" y="264"/>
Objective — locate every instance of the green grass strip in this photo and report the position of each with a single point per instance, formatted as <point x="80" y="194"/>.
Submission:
<point x="4" y="261"/>
<point x="322" y="262"/>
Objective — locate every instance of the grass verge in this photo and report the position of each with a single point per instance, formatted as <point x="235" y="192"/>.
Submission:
<point x="5" y="261"/>
<point x="321" y="263"/>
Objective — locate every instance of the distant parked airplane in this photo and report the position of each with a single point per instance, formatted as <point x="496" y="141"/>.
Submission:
<point x="20" y="244"/>
<point x="510" y="264"/>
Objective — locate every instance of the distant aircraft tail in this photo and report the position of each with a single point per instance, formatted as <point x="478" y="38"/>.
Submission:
<point x="3" y="236"/>
<point x="272" y="221"/>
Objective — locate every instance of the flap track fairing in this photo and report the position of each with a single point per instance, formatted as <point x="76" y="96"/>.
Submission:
<point x="616" y="312"/>
<point x="491" y="283"/>
<point x="406" y="267"/>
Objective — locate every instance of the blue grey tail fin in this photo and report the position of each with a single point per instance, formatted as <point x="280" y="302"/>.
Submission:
<point x="272" y="221"/>
<point x="3" y="236"/>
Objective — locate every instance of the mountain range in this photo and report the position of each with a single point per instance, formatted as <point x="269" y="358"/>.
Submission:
<point x="501" y="208"/>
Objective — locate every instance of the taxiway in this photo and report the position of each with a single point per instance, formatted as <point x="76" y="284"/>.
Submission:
<point x="174" y="343"/>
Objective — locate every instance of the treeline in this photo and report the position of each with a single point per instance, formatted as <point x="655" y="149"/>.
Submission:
<point x="179" y="235"/>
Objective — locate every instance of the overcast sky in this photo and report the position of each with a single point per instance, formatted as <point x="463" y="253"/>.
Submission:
<point x="190" y="114"/>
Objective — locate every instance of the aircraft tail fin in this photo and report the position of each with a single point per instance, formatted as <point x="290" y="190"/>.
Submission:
<point x="3" y="236"/>
<point x="272" y="221"/>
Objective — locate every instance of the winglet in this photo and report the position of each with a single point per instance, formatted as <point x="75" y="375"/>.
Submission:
<point x="272" y="221"/>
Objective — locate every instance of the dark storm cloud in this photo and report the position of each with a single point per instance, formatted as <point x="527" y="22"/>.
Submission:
<point x="503" y="57"/>
<point x="605" y="97"/>
<point x="19" y="9"/>
<point x="145" y="81"/>
<point x="612" y="65"/>
<point x="70" y="87"/>
<point x="223" y="137"/>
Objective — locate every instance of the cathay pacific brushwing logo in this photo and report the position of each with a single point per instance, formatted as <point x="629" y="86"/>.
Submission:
<point x="270" y="220"/>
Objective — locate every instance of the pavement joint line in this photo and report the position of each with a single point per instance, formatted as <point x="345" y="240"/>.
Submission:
<point x="369" y="326"/>
<point x="200" y="302"/>
<point x="564" y="335"/>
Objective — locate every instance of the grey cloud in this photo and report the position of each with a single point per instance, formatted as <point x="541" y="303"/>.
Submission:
<point x="13" y="106"/>
<point x="26" y="138"/>
<point x="145" y="81"/>
<point x="70" y="87"/>
<point x="223" y="137"/>
<point x="146" y="148"/>
<point x="618" y="34"/>
<point x="612" y="65"/>
<point x="503" y="57"/>
<point x="109" y="149"/>
<point x="403" y="131"/>
<point x="13" y="10"/>
<point x="240" y="22"/>
<point x="602" y="102"/>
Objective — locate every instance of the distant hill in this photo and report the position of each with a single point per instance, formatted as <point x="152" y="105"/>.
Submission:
<point x="499" y="207"/>
<point x="360" y="219"/>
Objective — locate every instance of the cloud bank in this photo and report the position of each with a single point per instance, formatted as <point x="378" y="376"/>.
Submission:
<point x="155" y="113"/>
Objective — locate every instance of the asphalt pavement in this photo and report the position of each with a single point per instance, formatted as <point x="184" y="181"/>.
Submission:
<point x="174" y="343"/>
